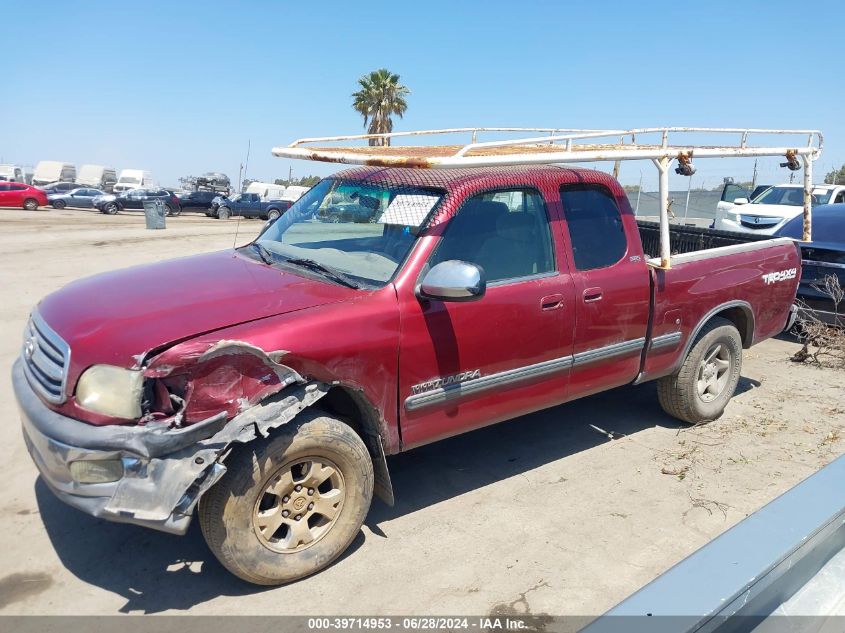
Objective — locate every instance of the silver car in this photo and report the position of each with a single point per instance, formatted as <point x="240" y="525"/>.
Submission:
<point x="82" y="198"/>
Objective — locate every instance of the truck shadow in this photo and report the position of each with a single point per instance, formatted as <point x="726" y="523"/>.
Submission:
<point x="157" y="572"/>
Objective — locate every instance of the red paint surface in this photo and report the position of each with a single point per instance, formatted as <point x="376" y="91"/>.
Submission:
<point x="383" y="342"/>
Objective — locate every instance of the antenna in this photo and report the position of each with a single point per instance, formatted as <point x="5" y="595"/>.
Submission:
<point x="245" y="167"/>
<point x="237" y="228"/>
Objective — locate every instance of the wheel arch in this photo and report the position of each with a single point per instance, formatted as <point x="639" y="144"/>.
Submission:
<point x="737" y="312"/>
<point x="352" y="406"/>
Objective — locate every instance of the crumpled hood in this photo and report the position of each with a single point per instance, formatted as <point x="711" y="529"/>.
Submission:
<point x="117" y="317"/>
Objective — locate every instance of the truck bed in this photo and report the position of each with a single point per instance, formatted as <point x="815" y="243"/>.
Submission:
<point x="688" y="239"/>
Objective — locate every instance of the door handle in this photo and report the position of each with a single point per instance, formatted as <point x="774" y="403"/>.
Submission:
<point x="592" y="294"/>
<point x="551" y="302"/>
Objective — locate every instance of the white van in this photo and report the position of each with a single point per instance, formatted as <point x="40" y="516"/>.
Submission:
<point x="97" y="176"/>
<point x="267" y="190"/>
<point x="294" y="192"/>
<point x="134" y="179"/>
<point x="12" y="173"/>
<point x="47" y="171"/>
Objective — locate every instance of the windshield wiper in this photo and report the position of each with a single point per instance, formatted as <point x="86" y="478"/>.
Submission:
<point x="328" y="271"/>
<point x="265" y="255"/>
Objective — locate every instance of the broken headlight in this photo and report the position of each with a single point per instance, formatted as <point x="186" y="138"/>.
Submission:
<point x="111" y="390"/>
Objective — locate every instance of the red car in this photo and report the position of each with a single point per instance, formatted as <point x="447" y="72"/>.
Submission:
<point x="17" y="194"/>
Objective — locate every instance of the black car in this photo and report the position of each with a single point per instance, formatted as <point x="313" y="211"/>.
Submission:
<point x="355" y="213"/>
<point x="822" y="257"/>
<point x="135" y="198"/>
<point x="60" y="187"/>
<point x="197" y="201"/>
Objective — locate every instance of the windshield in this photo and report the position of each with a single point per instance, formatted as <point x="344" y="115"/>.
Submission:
<point x="361" y="230"/>
<point x="791" y="196"/>
<point x="822" y="196"/>
<point x="129" y="180"/>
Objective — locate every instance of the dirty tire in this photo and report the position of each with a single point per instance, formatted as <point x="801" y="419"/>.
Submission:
<point x="59" y="204"/>
<point x="30" y="204"/>
<point x="679" y="394"/>
<point x="223" y="213"/>
<point x="273" y="214"/>
<point x="111" y="208"/>
<point x="227" y="512"/>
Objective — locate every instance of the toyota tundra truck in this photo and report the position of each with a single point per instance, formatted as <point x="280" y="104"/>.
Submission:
<point x="261" y="388"/>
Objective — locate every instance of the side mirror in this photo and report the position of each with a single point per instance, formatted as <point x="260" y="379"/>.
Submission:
<point x="741" y="201"/>
<point x="453" y="280"/>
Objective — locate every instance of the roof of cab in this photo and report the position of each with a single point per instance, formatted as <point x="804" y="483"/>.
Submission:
<point x="477" y="176"/>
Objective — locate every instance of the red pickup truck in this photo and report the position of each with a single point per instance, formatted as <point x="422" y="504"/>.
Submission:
<point x="261" y="388"/>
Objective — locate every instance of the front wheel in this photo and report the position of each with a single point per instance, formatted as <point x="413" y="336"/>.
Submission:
<point x="111" y="208"/>
<point x="289" y="506"/>
<point x="223" y="213"/>
<point x="173" y="211"/>
<point x="702" y="388"/>
<point x="30" y="204"/>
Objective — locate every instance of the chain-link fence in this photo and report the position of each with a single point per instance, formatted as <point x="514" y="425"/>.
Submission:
<point x="702" y="204"/>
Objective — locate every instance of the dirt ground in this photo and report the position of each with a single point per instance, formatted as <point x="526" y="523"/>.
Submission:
<point x="540" y="515"/>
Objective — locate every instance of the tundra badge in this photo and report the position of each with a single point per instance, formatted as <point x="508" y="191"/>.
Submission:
<point x="445" y="381"/>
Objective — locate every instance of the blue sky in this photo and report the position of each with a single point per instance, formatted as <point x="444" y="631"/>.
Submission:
<point x="180" y="87"/>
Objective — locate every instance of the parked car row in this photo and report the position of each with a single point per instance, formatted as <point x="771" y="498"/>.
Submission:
<point x="135" y="199"/>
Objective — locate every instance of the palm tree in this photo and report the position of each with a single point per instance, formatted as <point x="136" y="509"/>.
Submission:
<point x="381" y="95"/>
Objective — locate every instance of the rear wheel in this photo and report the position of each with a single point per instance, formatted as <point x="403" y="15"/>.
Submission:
<point x="289" y="506"/>
<point x="30" y="204"/>
<point x="274" y="214"/>
<point x="702" y="388"/>
<point x="59" y="204"/>
<point x="224" y="213"/>
<point x="173" y="211"/>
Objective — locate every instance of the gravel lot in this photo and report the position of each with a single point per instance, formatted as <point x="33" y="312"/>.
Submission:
<point x="540" y="515"/>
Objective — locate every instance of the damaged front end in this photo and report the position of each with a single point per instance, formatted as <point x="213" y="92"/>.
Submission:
<point x="197" y="400"/>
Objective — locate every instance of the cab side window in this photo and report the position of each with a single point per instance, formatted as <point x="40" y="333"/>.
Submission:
<point x="504" y="232"/>
<point x="595" y="226"/>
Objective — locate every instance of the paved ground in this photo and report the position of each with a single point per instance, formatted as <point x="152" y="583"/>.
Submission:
<point x="541" y="514"/>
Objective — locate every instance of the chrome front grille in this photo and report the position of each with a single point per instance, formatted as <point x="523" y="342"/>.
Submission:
<point x="759" y="221"/>
<point x="45" y="359"/>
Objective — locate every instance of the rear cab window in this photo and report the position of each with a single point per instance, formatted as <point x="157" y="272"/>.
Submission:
<point x="595" y="226"/>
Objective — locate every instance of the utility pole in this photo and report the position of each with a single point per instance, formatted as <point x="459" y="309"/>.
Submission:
<point x="686" y="207"/>
<point x="246" y="164"/>
<point x="290" y="175"/>
<point x="754" y="177"/>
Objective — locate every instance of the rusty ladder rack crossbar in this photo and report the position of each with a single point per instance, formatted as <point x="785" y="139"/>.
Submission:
<point x="562" y="145"/>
